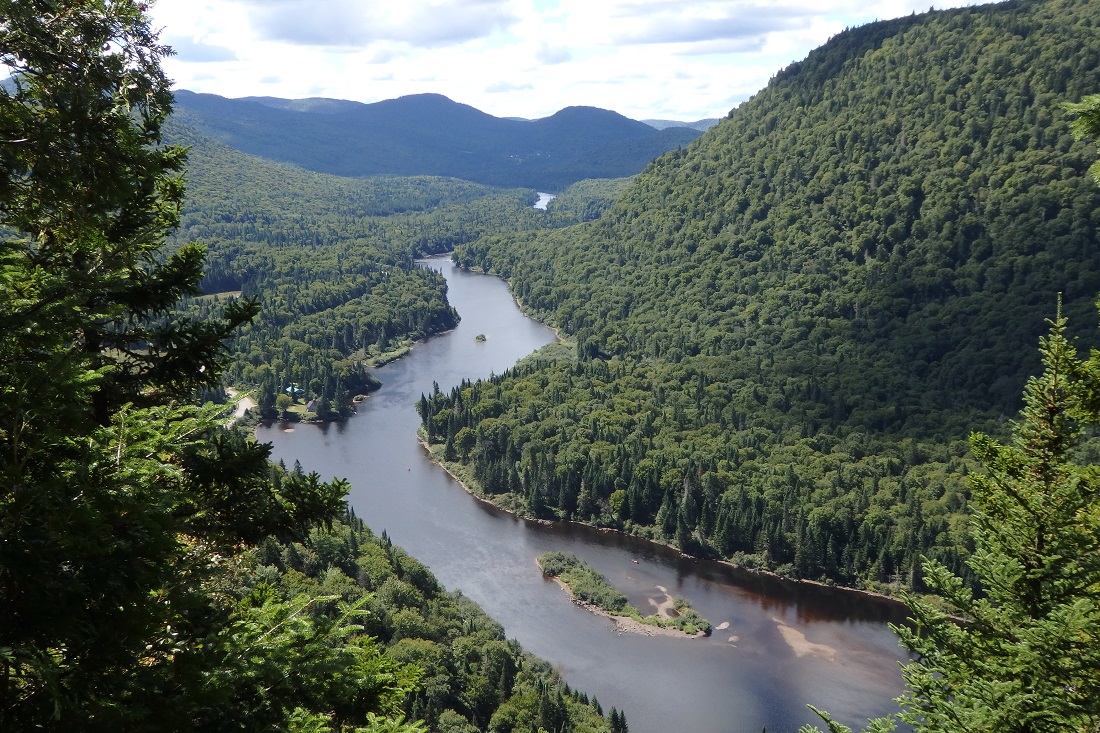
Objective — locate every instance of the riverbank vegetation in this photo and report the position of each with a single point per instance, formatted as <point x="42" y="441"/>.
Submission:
<point x="471" y="678"/>
<point x="156" y="571"/>
<point x="786" y="331"/>
<point x="332" y="261"/>
<point x="591" y="588"/>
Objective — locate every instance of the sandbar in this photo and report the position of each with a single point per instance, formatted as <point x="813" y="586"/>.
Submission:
<point x="803" y="647"/>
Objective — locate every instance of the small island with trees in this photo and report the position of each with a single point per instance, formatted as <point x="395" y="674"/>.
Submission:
<point x="591" y="590"/>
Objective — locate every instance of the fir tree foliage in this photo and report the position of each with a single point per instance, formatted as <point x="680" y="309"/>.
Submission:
<point x="1021" y="653"/>
<point x="93" y="193"/>
<point x="1028" y="658"/>
<point x="124" y="509"/>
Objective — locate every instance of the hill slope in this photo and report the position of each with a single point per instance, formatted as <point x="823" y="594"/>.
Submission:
<point x="331" y="259"/>
<point x="428" y="134"/>
<point x="787" y="329"/>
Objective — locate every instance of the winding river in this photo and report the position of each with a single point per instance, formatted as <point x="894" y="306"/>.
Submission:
<point x="779" y="645"/>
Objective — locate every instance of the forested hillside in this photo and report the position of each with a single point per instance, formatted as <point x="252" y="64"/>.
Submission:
<point x="428" y="134"/>
<point x="331" y="260"/>
<point x="157" y="572"/>
<point x="471" y="678"/>
<point x="786" y="331"/>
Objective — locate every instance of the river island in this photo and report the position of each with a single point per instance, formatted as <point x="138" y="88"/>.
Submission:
<point x="591" y="590"/>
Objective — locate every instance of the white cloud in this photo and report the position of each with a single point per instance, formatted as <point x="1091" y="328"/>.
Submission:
<point x="672" y="59"/>
<point x="550" y="56"/>
<point x="704" y="21"/>
<point x="200" y="53"/>
<point x="357" y="24"/>
<point x="507" y="88"/>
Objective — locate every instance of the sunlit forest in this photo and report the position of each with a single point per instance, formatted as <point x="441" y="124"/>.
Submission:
<point x="785" y="333"/>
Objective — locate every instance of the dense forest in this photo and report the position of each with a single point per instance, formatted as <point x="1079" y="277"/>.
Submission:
<point x="778" y="338"/>
<point x="784" y="332"/>
<point x="470" y="677"/>
<point x="331" y="261"/>
<point x="157" y="572"/>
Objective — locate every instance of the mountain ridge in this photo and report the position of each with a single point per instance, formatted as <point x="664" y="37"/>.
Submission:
<point x="430" y="134"/>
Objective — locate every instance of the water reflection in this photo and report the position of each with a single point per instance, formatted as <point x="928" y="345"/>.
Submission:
<point x="781" y="645"/>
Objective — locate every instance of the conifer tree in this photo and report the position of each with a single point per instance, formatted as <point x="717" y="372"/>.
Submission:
<point x="123" y="507"/>
<point x="1022" y="654"/>
<point x="1028" y="657"/>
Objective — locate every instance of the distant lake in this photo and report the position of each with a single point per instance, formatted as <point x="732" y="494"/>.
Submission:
<point x="544" y="200"/>
<point x="782" y="645"/>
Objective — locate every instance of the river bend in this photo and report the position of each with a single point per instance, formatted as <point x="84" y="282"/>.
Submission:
<point x="779" y="645"/>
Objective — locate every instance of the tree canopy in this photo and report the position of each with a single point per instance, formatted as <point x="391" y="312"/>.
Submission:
<point x="785" y="331"/>
<point x="122" y="506"/>
<point x="1018" y="652"/>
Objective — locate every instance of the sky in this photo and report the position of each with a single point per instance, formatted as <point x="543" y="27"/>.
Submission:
<point x="647" y="59"/>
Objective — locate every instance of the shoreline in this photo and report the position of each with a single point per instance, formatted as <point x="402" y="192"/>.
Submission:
<point x="623" y="624"/>
<point x="758" y="571"/>
<point x="558" y="338"/>
<point x="878" y="595"/>
<point x="867" y="593"/>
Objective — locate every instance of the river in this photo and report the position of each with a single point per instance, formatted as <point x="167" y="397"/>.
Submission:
<point x="786" y="644"/>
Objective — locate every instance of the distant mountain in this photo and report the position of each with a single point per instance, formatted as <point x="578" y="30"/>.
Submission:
<point x="320" y="105"/>
<point x="429" y="134"/>
<point x="700" y="125"/>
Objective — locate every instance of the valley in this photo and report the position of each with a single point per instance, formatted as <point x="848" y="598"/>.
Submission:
<point x="779" y="338"/>
<point x="826" y="367"/>
<point x="489" y="555"/>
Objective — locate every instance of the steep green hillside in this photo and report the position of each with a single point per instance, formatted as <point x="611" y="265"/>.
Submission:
<point x="471" y="678"/>
<point x="586" y="200"/>
<point x="786" y="331"/>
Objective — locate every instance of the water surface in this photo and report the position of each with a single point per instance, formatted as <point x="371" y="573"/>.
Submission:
<point x="787" y="644"/>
